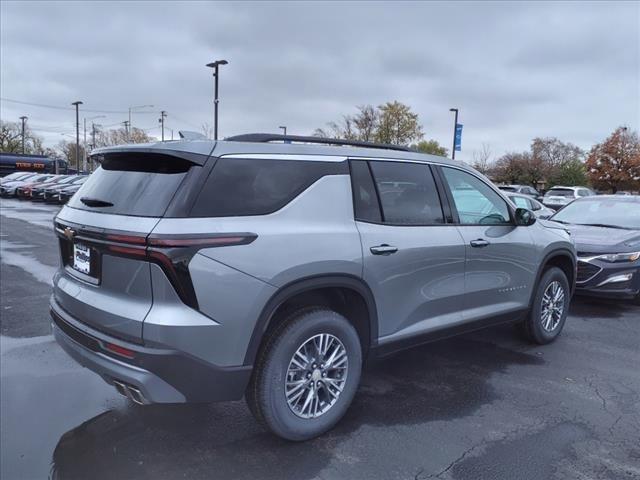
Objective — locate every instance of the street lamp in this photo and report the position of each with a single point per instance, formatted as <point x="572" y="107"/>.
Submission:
<point x="130" y="124"/>
<point x="77" y="105"/>
<point x="284" y="128"/>
<point x="455" y="126"/>
<point x="23" y="119"/>
<point x="214" y="66"/>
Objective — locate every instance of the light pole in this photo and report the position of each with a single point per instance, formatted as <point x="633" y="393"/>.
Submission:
<point x="24" y="119"/>
<point x="84" y="156"/>
<point x="284" y="129"/>
<point x="163" y="114"/>
<point x="77" y="105"/>
<point x="455" y="126"/>
<point x="130" y="130"/>
<point x="214" y="66"/>
<point x="126" y="124"/>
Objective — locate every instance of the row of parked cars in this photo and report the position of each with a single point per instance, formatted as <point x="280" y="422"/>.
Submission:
<point x="43" y="187"/>
<point x="544" y="206"/>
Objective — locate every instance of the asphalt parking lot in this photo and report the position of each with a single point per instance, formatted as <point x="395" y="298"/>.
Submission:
<point x="481" y="406"/>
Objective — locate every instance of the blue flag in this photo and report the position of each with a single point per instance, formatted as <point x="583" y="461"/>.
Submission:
<point x="458" y="142"/>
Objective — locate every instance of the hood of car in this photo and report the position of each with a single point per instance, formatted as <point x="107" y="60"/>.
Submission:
<point x="603" y="240"/>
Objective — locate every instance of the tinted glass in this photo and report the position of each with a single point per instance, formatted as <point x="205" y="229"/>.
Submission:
<point x="508" y="189"/>
<point x="407" y="193"/>
<point x="605" y="211"/>
<point x="135" y="184"/>
<point x="238" y="187"/>
<point x="365" y="199"/>
<point x="559" y="192"/>
<point x="475" y="201"/>
<point x="521" y="202"/>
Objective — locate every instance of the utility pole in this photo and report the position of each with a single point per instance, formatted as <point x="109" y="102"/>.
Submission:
<point x="215" y="66"/>
<point x="455" y="126"/>
<point x="126" y="124"/>
<point x="284" y="128"/>
<point x="163" y="114"/>
<point x="84" y="157"/>
<point x="24" y="119"/>
<point x="77" y="105"/>
<point x="93" y="135"/>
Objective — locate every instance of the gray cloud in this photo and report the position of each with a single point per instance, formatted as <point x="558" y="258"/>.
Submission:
<point x="515" y="70"/>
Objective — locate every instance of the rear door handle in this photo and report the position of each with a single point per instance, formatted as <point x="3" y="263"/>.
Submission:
<point x="479" y="243"/>
<point x="383" y="249"/>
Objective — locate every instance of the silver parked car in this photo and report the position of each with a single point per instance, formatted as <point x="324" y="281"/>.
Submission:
<point x="199" y="271"/>
<point x="525" y="201"/>
<point x="558" y="197"/>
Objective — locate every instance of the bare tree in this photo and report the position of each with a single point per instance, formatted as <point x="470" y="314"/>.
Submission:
<point x="481" y="158"/>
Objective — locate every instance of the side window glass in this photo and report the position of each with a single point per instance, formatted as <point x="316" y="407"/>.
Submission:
<point x="238" y="187"/>
<point x="521" y="202"/>
<point x="408" y="193"/>
<point x="365" y="199"/>
<point x="475" y="201"/>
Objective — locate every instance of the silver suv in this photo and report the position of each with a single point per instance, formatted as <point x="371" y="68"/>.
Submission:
<point x="199" y="271"/>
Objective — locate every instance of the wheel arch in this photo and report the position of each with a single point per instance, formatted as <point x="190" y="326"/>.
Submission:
<point x="320" y="287"/>
<point x="562" y="258"/>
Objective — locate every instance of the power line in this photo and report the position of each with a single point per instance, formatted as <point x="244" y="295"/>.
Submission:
<point x="56" y="107"/>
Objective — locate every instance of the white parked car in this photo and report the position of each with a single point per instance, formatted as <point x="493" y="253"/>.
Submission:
<point x="558" y="197"/>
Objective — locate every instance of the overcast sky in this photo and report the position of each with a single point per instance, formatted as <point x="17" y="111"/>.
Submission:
<point x="515" y="70"/>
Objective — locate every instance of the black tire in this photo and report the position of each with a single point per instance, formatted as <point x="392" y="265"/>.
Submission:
<point x="265" y="394"/>
<point x="533" y="324"/>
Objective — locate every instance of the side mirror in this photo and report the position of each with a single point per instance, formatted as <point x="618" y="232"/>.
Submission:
<point x="525" y="217"/>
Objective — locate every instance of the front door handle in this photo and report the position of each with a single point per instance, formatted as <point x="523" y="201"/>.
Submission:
<point x="383" y="249"/>
<point x="479" y="243"/>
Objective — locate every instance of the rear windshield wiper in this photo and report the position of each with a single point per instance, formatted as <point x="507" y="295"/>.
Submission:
<point x="95" y="202"/>
<point x="603" y="225"/>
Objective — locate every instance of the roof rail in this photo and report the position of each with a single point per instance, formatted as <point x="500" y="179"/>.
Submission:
<point x="270" y="137"/>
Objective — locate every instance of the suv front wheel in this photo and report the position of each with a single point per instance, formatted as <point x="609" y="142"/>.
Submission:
<point x="550" y="307"/>
<point x="306" y="375"/>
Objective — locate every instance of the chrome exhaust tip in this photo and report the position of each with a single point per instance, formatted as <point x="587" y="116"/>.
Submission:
<point x="136" y="395"/>
<point x="121" y="388"/>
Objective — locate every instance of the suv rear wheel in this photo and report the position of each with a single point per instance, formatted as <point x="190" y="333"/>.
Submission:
<point x="306" y="375"/>
<point x="550" y="307"/>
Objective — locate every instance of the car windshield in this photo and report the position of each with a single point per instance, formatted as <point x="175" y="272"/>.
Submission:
<point x="508" y="189"/>
<point x="559" y="192"/>
<point x="614" y="212"/>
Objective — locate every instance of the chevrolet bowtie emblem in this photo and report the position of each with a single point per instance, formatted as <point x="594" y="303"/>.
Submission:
<point x="69" y="233"/>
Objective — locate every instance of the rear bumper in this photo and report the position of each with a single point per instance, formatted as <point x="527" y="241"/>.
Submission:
<point x="159" y="375"/>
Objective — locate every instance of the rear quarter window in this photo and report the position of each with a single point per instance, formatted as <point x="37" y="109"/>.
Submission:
<point x="242" y="187"/>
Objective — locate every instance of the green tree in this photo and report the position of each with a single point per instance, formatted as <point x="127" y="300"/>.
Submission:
<point x="11" y="139"/>
<point x="392" y="123"/>
<point x="572" y="172"/>
<point x="431" y="147"/>
<point x="398" y="125"/>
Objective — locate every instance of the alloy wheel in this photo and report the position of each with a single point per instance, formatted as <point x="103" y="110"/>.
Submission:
<point x="553" y="304"/>
<point x="316" y="375"/>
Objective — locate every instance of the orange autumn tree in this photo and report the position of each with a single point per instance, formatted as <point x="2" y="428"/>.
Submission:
<point x="615" y="163"/>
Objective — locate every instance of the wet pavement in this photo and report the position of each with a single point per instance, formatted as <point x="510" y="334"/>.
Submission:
<point x="482" y="406"/>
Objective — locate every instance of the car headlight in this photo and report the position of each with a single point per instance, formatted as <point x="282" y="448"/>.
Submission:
<point x="619" y="257"/>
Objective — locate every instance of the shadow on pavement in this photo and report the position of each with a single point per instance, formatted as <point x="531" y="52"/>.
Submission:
<point x="444" y="380"/>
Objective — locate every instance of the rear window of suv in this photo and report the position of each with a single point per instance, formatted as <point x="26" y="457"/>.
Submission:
<point x="560" y="192"/>
<point x="240" y="187"/>
<point x="132" y="184"/>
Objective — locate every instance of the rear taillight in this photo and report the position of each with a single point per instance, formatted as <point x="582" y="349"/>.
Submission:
<point x="118" y="350"/>
<point x="171" y="252"/>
